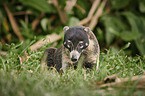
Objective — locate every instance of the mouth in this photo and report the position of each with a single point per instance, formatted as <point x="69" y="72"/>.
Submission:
<point x="74" y="61"/>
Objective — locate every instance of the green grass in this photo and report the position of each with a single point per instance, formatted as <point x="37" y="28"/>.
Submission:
<point x="27" y="79"/>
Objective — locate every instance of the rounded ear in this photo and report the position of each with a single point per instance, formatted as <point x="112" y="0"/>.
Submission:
<point x="65" y="28"/>
<point x="87" y="29"/>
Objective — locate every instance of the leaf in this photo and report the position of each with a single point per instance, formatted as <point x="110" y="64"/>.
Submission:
<point x="119" y="4"/>
<point x="42" y="6"/>
<point x="137" y="25"/>
<point x="142" y="6"/>
<point x="5" y="24"/>
<point x="126" y="46"/>
<point x="114" y="26"/>
<point x="109" y="38"/>
<point x="25" y="30"/>
<point x="73" y="21"/>
<point x="83" y="4"/>
<point x="128" y="36"/>
<point x="13" y="23"/>
<point x="45" y="24"/>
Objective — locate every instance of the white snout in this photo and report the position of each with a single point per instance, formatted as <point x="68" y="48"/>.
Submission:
<point x="74" y="55"/>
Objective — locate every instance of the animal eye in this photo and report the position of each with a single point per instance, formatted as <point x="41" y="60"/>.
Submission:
<point x="81" y="45"/>
<point x="87" y="44"/>
<point x="64" y="43"/>
<point x="69" y="45"/>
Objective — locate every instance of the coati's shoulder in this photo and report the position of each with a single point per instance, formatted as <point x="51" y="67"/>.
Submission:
<point x="58" y="59"/>
<point x="48" y="57"/>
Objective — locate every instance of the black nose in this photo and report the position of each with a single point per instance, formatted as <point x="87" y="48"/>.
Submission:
<point x="74" y="58"/>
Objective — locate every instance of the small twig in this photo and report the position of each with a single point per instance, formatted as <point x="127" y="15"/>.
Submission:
<point x="62" y="15"/>
<point x="141" y="82"/>
<point x="23" y="13"/>
<point x="49" y="38"/>
<point x="69" y="5"/>
<point x="113" y="81"/>
<point x="53" y="17"/>
<point x="91" y="12"/>
<point x="3" y="53"/>
<point x="20" y="58"/>
<point x="13" y="23"/>
<point x="36" y="21"/>
<point x="99" y="12"/>
<point x="26" y="19"/>
<point x="80" y="8"/>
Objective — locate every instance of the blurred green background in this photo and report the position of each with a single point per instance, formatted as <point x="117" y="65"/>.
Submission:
<point x="114" y="22"/>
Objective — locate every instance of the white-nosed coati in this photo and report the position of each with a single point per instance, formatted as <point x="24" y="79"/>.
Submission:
<point x="79" y="45"/>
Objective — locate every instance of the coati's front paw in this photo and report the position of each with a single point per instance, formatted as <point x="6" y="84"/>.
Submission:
<point x="89" y="65"/>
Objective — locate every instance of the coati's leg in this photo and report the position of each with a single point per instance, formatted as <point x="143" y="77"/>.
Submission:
<point x="89" y="65"/>
<point x="58" y="60"/>
<point x="91" y="62"/>
<point x="66" y="66"/>
<point x="66" y="61"/>
<point x="48" y="57"/>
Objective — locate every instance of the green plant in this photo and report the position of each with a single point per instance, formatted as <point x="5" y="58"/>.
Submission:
<point x="122" y="21"/>
<point x="19" y="76"/>
<point x="126" y="22"/>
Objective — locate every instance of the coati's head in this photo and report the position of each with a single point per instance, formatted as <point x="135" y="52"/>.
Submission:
<point x="75" y="40"/>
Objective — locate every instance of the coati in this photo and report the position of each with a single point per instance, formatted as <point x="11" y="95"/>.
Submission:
<point x="80" y="46"/>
